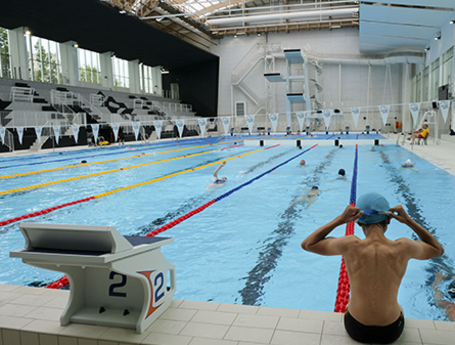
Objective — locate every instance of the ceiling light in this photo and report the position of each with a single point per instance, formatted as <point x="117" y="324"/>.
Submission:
<point x="452" y="21"/>
<point x="438" y="36"/>
<point x="28" y="32"/>
<point x="235" y="35"/>
<point x="75" y="45"/>
<point x="259" y="34"/>
<point x="122" y="11"/>
<point x="427" y="48"/>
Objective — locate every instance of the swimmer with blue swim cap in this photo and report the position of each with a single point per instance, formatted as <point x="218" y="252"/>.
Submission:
<point x="375" y="265"/>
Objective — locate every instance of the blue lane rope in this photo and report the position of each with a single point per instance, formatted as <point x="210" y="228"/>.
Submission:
<point x="354" y="177"/>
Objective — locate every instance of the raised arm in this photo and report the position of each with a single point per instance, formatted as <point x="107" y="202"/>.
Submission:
<point x="428" y="247"/>
<point x="215" y="173"/>
<point x="319" y="243"/>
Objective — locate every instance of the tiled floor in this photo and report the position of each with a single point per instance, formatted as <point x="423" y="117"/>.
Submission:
<point x="30" y="316"/>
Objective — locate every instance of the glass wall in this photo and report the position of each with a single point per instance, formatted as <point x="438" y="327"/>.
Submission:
<point x="5" y="70"/>
<point x="89" y="66"/>
<point x="44" y="60"/>
<point x="120" y="72"/>
<point x="145" y="75"/>
<point x="447" y="64"/>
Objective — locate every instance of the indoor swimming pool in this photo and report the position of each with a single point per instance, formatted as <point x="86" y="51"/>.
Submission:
<point x="244" y="248"/>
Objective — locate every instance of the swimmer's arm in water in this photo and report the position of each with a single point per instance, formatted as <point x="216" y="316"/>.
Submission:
<point x="215" y="173"/>
<point x="319" y="243"/>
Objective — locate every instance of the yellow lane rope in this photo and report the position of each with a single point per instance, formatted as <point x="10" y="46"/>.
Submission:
<point x="100" y="173"/>
<point x="175" y="174"/>
<point x="117" y="159"/>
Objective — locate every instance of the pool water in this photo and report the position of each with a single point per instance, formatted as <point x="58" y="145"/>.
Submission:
<point x="245" y="248"/>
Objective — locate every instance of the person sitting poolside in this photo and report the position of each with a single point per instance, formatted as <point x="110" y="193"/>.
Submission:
<point x="421" y="133"/>
<point x="375" y="265"/>
<point x="408" y="164"/>
<point x="449" y="306"/>
<point x="217" y="182"/>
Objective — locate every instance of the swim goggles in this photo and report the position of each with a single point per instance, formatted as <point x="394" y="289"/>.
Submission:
<point x="452" y="290"/>
<point x="374" y="212"/>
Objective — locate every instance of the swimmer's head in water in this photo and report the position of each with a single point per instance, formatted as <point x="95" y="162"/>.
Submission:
<point x="314" y="188"/>
<point x="302" y="162"/>
<point x="341" y="172"/>
<point x="83" y="162"/>
<point x="224" y="178"/>
<point x="374" y="207"/>
<point x="408" y="162"/>
<point x="452" y="289"/>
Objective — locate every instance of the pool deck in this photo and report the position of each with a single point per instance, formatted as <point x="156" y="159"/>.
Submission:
<point x="30" y="316"/>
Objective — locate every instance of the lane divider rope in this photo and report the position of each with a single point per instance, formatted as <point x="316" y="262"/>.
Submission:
<point x="344" y="287"/>
<point x="203" y="207"/>
<point x="45" y="211"/>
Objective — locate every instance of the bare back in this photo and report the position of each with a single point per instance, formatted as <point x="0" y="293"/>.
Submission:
<point x="376" y="267"/>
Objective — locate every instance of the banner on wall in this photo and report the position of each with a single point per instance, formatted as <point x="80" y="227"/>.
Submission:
<point x="158" y="128"/>
<point x="2" y="134"/>
<point x="202" y="125"/>
<point x="355" y="115"/>
<point x="326" y="114"/>
<point x="300" y="119"/>
<point x="20" y="133"/>
<point x="95" y="130"/>
<point x="180" y="124"/>
<point x="384" y="110"/>
<point x="250" y="121"/>
<point x="136" y="127"/>
<point x="56" y="130"/>
<point x="444" y="106"/>
<point x="226" y="121"/>
<point x="38" y="131"/>
<point x="274" y="121"/>
<point x="414" y="108"/>
<point x="115" y="127"/>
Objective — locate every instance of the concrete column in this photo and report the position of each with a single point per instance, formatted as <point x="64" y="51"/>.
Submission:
<point x="106" y="69"/>
<point x="18" y="52"/>
<point x="70" y="63"/>
<point x="406" y="99"/>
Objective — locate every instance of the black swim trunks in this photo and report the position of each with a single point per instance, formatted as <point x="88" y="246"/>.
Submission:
<point x="219" y="181"/>
<point x="373" y="334"/>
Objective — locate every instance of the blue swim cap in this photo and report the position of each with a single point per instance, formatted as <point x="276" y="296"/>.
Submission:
<point x="374" y="207"/>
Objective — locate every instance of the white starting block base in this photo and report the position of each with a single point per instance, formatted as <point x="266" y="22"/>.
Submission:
<point x="114" y="280"/>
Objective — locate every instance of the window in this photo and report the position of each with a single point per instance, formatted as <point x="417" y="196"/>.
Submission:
<point x="5" y="70"/>
<point x="145" y="75"/>
<point x="120" y="72"/>
<point x="89" y="66"/>
<point x="44" y="60"/>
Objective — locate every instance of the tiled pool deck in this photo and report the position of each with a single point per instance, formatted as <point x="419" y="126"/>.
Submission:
<point x="30" y="316"/>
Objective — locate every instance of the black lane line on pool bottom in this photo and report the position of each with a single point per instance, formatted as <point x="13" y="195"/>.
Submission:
<point x="443" y="262"/>
<point x="192" y="203"/>
<point x="273" y="245"/>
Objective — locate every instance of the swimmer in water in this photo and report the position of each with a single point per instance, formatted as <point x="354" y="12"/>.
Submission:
<point x="408" y="164"/>
<point x="341" y="174"/>
<point x="310" y="195"/>
<point x="442" y="300"/>
<point x="217" y="182"/>
<point x="302" y="163"/>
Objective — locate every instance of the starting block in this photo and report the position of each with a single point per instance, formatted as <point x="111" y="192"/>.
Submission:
<point x="115" y="280"/>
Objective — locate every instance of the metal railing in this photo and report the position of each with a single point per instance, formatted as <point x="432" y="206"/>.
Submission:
<point x="21" y="94"/>
<point x="9" y="140"/>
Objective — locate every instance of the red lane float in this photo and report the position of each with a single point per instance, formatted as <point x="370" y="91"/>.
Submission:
<point x="47" y="210"/>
